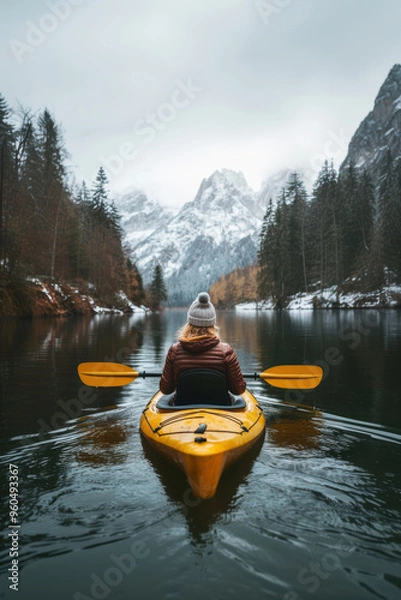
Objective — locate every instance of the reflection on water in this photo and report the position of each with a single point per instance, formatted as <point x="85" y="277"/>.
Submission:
<point x="103" y="442"/>
<point x="200" y="514"/>
<point x="325" y="482"/>
<point x="293" y="429"/>
<point x="40" y="389"/>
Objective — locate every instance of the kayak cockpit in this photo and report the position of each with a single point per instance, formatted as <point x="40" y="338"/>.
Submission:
<point x="201" y="388"/>
<point x="167" y="403"/>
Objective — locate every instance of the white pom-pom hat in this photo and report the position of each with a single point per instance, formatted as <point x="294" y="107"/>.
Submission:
<point x="201" y="313"/>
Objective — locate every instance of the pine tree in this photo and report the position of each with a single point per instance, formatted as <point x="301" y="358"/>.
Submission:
<point x="266" y="253"/>
<point x="31" y="184"/>
<point x="296" y="195"/>
<point x="390" y="218"/>
<point x="158" y="290"/>
<point x="80" y="258"/>
<point x="366" y="240"/>
<point x="100" y="195"/>
<point x="282" y="253"/>
<point x="115" y="220"/>
<point x="274" y="256"/>
<point x="51" y="150"/>
<point x="53" y="194"/>
<point x="6" y="176"/>
<point x="101" y="258"/>
<point x="30" y="168"/>
<point x="6" y="129"/>
<point x="364" y="212"/>
<point x="323" y="230"/>
<point x="349" y="186"/>
<point x="335" y="244"/>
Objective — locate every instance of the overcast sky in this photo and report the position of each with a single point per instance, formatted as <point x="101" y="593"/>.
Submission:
<point x="163" y="93"/>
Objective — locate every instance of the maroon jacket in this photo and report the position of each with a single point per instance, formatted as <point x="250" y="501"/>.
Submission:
<point x="202" y="352"/>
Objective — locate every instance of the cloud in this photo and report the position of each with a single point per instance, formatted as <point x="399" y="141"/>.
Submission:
<point x="271" y="89"/>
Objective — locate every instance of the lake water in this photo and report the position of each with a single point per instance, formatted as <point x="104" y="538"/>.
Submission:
<point x="312" y="512"/>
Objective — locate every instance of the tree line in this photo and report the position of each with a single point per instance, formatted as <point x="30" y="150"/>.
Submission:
<point x="50" y="227"/>
<point x="346" y="235"/>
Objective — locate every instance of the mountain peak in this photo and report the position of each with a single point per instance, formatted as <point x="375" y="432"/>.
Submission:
<point x="140" y="215"/>
<point x="222" y="190"/>
<point x="209" y="237"/>
<point x="380" y="131"/>
<point x="234" y="178"/>
<point x="391" y="88"/>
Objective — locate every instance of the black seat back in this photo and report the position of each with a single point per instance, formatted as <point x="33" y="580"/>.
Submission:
<point x="202" y="386"/>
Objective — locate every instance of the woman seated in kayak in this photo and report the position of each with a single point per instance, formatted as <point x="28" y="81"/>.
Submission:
<point x="200" y="368"/>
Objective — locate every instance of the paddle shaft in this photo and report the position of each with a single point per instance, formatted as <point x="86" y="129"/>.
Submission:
<point x="255" y="375"/>
<point x="145" y="374"/>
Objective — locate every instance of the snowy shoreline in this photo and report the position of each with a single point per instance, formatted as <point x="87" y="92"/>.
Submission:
<point x="41" y="296"/>
<point x="388" y="297"/>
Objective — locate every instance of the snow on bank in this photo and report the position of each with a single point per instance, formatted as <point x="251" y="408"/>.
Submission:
<point x="388" y="297"/>
<point x="42" y="287"/>
<point x="132" y="307"/>
<point x="63" y="299"/>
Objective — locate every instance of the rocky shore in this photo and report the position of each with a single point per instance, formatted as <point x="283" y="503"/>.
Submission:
<point x="44" y="297"/>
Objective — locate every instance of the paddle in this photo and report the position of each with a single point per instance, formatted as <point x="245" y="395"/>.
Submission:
<point x="109" y="374"/>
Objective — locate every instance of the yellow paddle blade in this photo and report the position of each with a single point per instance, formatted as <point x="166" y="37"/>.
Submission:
<point x="106" y="374"/>
<point x="294" y="377"/>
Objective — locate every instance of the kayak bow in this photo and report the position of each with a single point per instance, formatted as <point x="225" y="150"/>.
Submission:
<point x="203" y="441"/>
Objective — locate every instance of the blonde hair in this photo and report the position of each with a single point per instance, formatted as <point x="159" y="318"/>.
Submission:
<point x="192" y="331"/>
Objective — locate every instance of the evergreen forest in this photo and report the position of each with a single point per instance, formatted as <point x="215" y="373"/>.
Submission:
<point x="49" y="226"/>
<point x="346" y="235"/>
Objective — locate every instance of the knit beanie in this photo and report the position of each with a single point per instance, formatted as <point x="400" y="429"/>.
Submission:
<point x="201" y="313"/>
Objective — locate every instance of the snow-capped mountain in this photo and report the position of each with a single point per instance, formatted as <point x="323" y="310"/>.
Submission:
<point x="209" y="237"/>
<point x="380" y="131"/>
<point x="140" y="216"/>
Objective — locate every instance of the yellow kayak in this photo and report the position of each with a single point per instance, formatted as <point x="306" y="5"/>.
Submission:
<point x="203" y="440"/>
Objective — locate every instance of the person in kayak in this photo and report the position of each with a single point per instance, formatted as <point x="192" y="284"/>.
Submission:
<point x="201" y="357"/>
